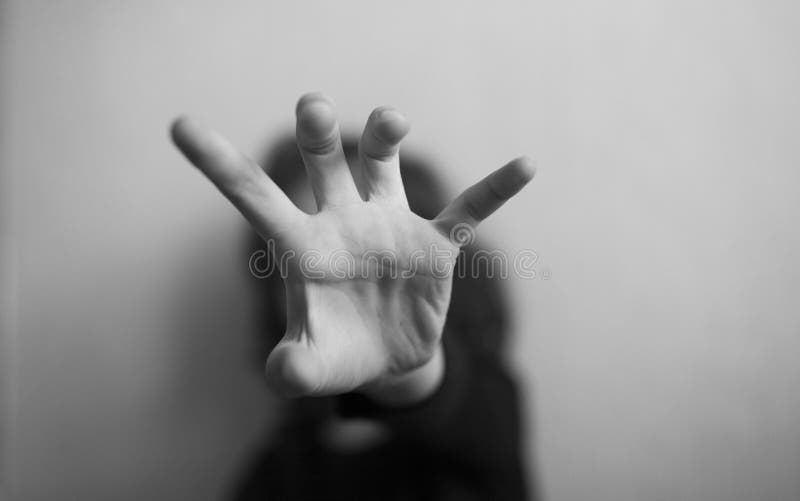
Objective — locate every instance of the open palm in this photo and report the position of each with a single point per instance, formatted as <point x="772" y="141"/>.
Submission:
<point x="367" y="281"/>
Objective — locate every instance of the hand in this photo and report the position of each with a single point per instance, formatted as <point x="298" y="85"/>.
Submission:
<point x="367" y="310"/>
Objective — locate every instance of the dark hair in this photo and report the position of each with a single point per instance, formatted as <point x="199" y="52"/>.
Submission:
<point x="478" y="311"/>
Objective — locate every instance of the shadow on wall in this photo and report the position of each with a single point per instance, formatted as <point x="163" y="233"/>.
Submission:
<point x="218" y="405"/>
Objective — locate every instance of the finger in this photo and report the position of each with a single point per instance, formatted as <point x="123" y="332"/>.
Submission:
<point x="379" y="147"/>
<point x="321" y="147"/>
<point x="477" y="202"/>
<point x="240" y="179"/>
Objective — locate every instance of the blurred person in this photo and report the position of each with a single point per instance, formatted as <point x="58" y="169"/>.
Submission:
<point x="395" y="366"/>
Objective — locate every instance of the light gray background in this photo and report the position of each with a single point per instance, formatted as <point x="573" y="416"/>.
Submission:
<point x="661" y="360"/>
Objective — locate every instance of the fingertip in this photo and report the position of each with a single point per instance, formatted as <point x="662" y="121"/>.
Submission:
<point x="191" y="138"/>
<point x="179" y="127"/>
<point x="508" y="180"/>
<point x="316" y="121"/>
<point x="311" y="97"/>
<point x="389" y="125"/>
<point x="526" y="167"/>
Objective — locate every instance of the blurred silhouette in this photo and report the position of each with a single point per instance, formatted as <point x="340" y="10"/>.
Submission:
<point x="462" y="443"/>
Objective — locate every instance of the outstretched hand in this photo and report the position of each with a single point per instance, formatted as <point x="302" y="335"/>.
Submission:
<point x="367" y="281"/>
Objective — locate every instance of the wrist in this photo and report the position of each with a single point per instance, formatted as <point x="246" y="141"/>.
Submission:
<point x="411" y="387"/>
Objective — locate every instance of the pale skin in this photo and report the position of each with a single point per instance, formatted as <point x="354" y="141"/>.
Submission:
<point x="374" y="331"/>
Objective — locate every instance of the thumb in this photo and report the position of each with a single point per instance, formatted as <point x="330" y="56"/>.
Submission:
<point x="293" y="370"/>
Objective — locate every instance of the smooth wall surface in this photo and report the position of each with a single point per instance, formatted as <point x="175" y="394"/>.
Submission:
<point x="661" y="359"/>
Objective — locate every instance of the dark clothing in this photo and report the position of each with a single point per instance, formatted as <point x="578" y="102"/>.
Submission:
<point x="462" y="443"/>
